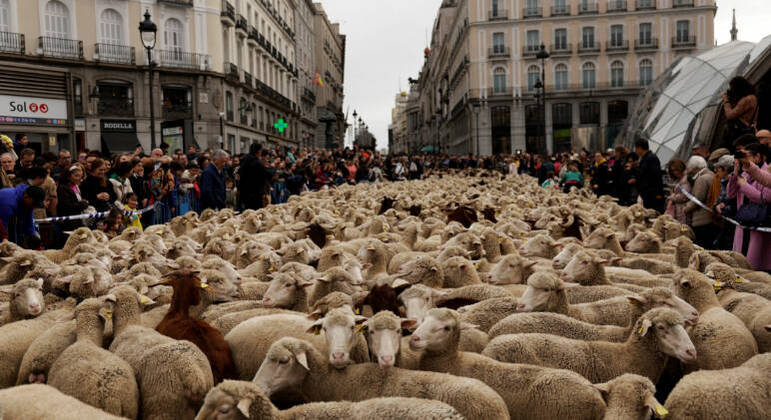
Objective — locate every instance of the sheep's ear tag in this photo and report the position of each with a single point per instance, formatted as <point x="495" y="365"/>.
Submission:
<point x="361" y="328"/>
<point x="204" y="285"/>
<point x="683" y="229"/>
<point x="243" y="406"/>
<point x="660" y="410"/>
<point x="357" y="311"/>
<point x="739" y="280"/>
<point x="500" y="240"/>
<point x="718" y="286"/>
<point x="522" y="234"/>
<point x="316" y="330"/>
<point x="633" y="301"/>
<point x="144" y="300"/>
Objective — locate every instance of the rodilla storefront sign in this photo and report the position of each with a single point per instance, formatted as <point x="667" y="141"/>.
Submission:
<point x="30" y="110"/>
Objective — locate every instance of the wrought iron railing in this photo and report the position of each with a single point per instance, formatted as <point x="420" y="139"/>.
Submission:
<point x="228" y="10"/>
<point x="499" y="52"/>
<point x="111" y="53"/>
<point x="119" y="107"/>
<point x="12" y="42"/>
<point x="562" y="49"/>
<point x="561" y="10"/>
<point x="183" y="60"/>
<point x="61" y="47"/>
<point x="588" y="47"/>
<point x="616" y="5"/>
<point x="618" y="45"/>
<point x="498" y="14"/>
<point x="646" y="44"/>
<point x="684" y="41"/>
<point x="531" y="12"/>
<point x="587" y="8"/>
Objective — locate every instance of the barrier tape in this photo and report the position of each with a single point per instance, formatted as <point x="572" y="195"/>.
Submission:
<point x="94" y="215"/>
<point x="698" y="202"/>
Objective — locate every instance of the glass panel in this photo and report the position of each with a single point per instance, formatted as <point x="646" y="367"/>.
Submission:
<point x="588" y="37"/>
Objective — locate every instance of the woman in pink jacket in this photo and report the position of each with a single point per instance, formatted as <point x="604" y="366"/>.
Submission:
<point x="745" y="189"/>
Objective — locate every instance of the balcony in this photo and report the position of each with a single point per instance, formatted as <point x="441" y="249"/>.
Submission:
<point x="566" y="89"/>
<point x="646" y="44"/>
<point x="589" y="48"/>
<point x="498" y="14"/>
<point x="646" y="5"/>
<point x="309" y="95"/>
<point x="587" y="8"/>
<point x="532" y="12"/>
<point x="509" y="91"/>
<point x="617" y="46"/>
<point x="115" y="54"/>
<point x="183" y="60"/>
<point x="682" y="3"/>
<point x="562" y="10"/>
<point x="177" y="2"/>
<point x="231" y="71"/>
<point x="268" y="92"/>
<point x="562" y="49"/>
<point x="616" y="6"/>
<point x="117" y="107"/>
<point x="499" y="52"/>
<point x="248" y="80"/>
<point x="177" y="110"/>
<point x="684" y="42"/>
<point x="71" y="49"/>
<point x="12" y="43"/>
<point x="530" y="50"/>
<point x="254" y="35"/>
<point x="242" y="28"/>
<point x="228" y="14"/>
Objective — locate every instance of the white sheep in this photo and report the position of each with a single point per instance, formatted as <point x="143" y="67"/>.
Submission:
<point x="38" y="402"/>
<point x="26" y="300"/>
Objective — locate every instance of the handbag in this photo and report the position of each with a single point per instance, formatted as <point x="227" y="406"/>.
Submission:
<point x="754" y="214"/>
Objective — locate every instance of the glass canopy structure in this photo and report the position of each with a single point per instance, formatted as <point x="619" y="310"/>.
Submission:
<point x="683" y="106"/>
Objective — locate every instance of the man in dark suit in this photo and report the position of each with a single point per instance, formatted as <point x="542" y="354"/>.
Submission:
<point x="254" y="178"/>
<point x="213" y="182"/>
<point x="649" y="182"/>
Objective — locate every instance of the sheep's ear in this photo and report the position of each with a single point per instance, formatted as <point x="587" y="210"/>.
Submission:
<point x="315" y="315"/>
<point x="243" y="406"/>
<point x="467" y="326"/>
<point x="25" y="263"/>
<point x="686" y="283"/>
<point x="658" y="410"/>
<point x="324" y="279"/>
<point x="315" y="328"/>
<point x="3" y="292"/>
<point x="302" y="359"/>
<point x="604" y="389"/>
<point x="304" y="283"/>
<point x="105" y="313"/>
<point x="434" y="269"/>
<point x="636" y="300"/>
<point x="366" y="266"/>
<point x="567" y="284"/>
<point x="409" y="323"/>
<point x="65" y="279"/>
<point x="39" y="282"/>
<point x="529" y="264"/>
<point x="646" y="324"/>
<point x="602" y="261"/>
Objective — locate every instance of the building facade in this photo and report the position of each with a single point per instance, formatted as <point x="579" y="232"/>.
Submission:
<point x="398" y="143"/>
<point x="306" y="62"/>
<point x="224" y="73"/>
<point x="328" y="80"/>
<point x="481" y="86"/>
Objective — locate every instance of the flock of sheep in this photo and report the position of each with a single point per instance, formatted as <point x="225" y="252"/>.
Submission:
<point x="470" y="296"/>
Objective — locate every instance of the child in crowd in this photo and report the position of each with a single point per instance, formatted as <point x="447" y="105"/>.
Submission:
<point x="130" y="203"/>
<point x="230" y="193"/>
<point x="551" y="181"/>
<point x="112" y="225"/>
<point x="572" y="178"/>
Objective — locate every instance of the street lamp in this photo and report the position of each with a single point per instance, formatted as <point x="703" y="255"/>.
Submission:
<point x="543" y="55"/>
<point x="477" y="110"/>
<point x="148" y="31"/>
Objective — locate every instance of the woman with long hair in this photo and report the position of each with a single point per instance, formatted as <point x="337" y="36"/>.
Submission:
<point x="677" y="200"/>
<point x="96" y="189"/>
<point x="740" y="106"/>
<point x="71" y="200"/>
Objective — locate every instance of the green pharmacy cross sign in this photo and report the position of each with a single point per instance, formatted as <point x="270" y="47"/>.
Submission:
<point x="280" y="125"/>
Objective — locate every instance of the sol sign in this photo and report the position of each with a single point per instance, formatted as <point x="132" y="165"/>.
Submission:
<point x="29" y="107"/>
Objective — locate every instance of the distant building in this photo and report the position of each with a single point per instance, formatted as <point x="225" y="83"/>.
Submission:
<point x="329" y="78"/>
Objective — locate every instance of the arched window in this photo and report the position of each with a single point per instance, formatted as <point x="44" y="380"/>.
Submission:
<point x="646" y="72"/>
<point x="533" y="76"/>
<point x="561" y="76"/>
<point x="499" y="80"/>
<point x="588" y="76"/>
<point x="112" y="27"/>
<point x="173" y="35"/>
<point x="57" y="20"/>
<point x="617" y="74"/>
<point x="5" y="16"/>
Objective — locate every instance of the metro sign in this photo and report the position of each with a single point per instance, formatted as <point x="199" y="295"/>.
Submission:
<point x="30" y="110"/>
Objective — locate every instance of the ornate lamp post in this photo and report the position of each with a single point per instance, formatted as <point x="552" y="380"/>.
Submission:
<point x="543" y="55"/>
<point x="148" y="31"/>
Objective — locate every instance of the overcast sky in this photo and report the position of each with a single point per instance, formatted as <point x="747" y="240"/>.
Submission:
<point x="386" y="39"/>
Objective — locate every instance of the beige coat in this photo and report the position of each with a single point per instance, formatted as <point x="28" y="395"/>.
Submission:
<point x="701" y="184"/>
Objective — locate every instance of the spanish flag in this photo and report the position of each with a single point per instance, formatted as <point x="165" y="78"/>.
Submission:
<point x="318" y="80"/>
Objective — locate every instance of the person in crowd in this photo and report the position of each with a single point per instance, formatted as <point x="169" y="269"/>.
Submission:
<point x="571" y="178"/>
<point x="600" y="175"/>
<point x="552" y="182"/>
<point x="700" y="149"/>
<point x="82" y="156"/>
<point x="121" y="181"/>
<point x="755" y="245"/>
<point x="20" y="143"/>
<point x="718" y="200"/>
<point x="700" y="177"/>
<point x="230" y="193"/>
<point x="71" y="201"/>
<point x="213" y="182"/>
<point x="764" y="137"/>
<point x="16" y="213"/>
<point x="648" y="178"/>
<point x="112" y="225"/>
<point x="7" y="174"/>
<point x="64" y="162"/>
<point x="203" y="162"/>
<point x="254" y="179"/>
<point x="96" y="189"/>
<point x="677" y="199"/>
<point x="26" y="158"/>
<point x="139" y="183"/>
<point x="716" y="155"/>
<point x="545" y="166"/>
<point x="131" y="203"/>
<point x="740" y="106"/>
<point x="192" y="153"/>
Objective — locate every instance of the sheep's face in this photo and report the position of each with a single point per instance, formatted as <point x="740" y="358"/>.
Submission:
<point x="643" y="242"/>
<point x="563" y="257"/>
<point x="670" y="334"/>
<point x="659" y="297"/>
<point x="540" y="246"/>
<point x="282" y="291"/>
<point x="344" y="281"/>
<point x="542" y="292"/>
<point x="384" y="336"/>
<point x="630" y="396"/>
<point x="284" y="368"/>
<point x="599" y="238"/>
<point x="417" y="300"/>
<point x="353" y="267"/>
<point x="27" y="297"/>
<point x="471" y="244"/>
<point x="511" y="270"/>
<point x="339" y="327"/>
<point x="438" y="330"/>
<point x="222" y="289"/>
<point x="219" y="405"/>
<point x="582" y="269"/>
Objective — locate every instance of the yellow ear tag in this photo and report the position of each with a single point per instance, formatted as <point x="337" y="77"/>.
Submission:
<point x="144" y="299"/>
<point x="716" y="286"/>
<point x="476" y="265"/>
<point x="640" y="331"/>
<point x="360" y="328"/>
<point x="108" y="314"/>
<point x="204" y="285"/>
<point x="660" y="410"/>
<point x="330" y="237"/>
<point x="522" y="234"/>
<point x="357" y="311"/>
<point x="317" y="330"/>
<point x="739" y="280"/>
<point x="500" y="240"/>
<point x="271" y="269"/>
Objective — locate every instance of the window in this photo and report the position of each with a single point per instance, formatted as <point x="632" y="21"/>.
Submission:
<point x="112" y="27"/>
<point x="172" y="35"/>
<point x="588" y="76"/>
<point x="499" y="80"/>
<point x="589" y="112"/>
<point x="5" y="12"/>
<point x="617" y="74"/>
<point x="533" y="7"/>
<point x="115" y="99"/>
<point x="495" y="8"/>
<point x="242" y="105"/>
<point x="616" y="35"/>
<point x="533" y="76"/>
<point x="226" y="44"/>
<point x="683" y="30"/>
<point x="587" y="37"/>
<point x="561" y="77"/>
<point x="533" y="40"/>
<point x="646" y="29"/>
<point x="57" y="20"/>
<point x="498" y="43"/>
<point x="77" y="93"/>
<point x="229" y="106"/>
<point x="646" y="72"/>
<point x="177" y="102"/>
<point x="561" y="39"/>
<point x="560" y="6"/>
<point x="617" y="111"/>
<point x="261" y="117"/>
<point x="561" y="115"/>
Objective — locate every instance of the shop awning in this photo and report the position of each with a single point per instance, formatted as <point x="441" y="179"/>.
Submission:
<point x="119" y="142"/>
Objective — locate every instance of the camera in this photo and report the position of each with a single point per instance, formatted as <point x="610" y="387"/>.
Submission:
<point x="739" y="154"/>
